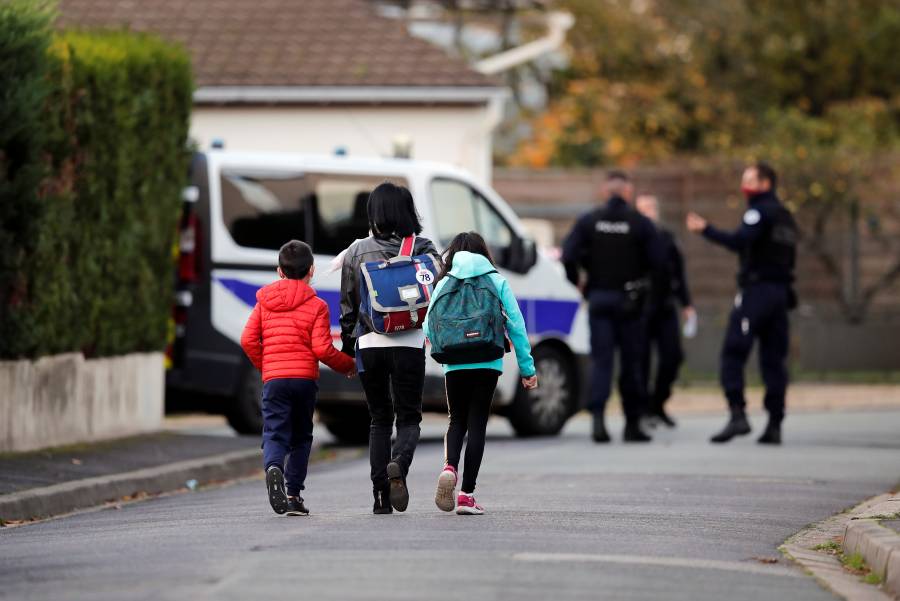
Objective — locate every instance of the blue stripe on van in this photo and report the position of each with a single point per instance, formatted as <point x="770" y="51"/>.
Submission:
<point x="542" y="316"/>
<point x="246" y="292"/>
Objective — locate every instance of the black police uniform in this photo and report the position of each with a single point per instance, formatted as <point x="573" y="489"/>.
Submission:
<point x="766" y="242"/>
<point x="618" y="247"/>
<point x="663" y="326"/>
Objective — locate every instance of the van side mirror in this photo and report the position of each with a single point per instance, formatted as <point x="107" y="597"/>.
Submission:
<point x="523" y="255"/>
<point x="530" y="253"/>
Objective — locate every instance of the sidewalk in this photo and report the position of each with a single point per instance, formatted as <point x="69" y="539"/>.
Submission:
<point x="60" y="480"/>
<point x="708" y="399"/>
<point x="23" y="471"/>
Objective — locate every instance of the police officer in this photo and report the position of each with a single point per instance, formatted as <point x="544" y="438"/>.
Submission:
<point x="617" y="247"/>
<point x="663" y="332"/>
<point x="766" y="244"/>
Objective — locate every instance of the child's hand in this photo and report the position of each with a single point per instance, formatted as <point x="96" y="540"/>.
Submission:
<point x="530" y="383"/>
<point x="352" y="373"/>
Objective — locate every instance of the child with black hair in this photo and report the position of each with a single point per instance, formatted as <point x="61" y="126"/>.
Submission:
<point x="391" y="366"/>
<point x="470" y="386"/>
<point x="286" y="336"/>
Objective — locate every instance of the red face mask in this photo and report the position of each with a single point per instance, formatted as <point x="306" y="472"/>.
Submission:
<point x="749" y="192"/>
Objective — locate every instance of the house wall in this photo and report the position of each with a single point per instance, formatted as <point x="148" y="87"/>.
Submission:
<point x="458" y="134"/>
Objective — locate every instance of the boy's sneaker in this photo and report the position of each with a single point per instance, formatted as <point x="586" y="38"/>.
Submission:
<point x="382" y="501"/>
<point x="399" y="493"/>
<point x="466" y="505"/>
<point x="295" y="506"/>
<point x="275" y="485"/>
<point x="445" y="497"/>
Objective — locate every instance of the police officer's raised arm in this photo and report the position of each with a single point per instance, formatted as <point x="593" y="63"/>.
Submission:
<point x="752" y="226"/>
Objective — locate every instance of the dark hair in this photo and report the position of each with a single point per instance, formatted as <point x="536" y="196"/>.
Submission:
<point x="617" y="174"/>
<point x="391" y="210"/>
<point x="295" y="259"/>
<point x="467" y="241"/>
<point x="765" y="171"/>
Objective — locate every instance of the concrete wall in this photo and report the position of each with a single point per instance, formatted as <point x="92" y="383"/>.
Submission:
<point x="66" y="399"/>
<point x="455" y="134"/>
<point x="820" y="344"/>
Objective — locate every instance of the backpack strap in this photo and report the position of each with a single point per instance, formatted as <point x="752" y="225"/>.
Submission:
<point x="407" y="246"/>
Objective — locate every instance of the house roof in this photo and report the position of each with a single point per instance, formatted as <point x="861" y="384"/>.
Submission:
<point x="284" y="44"/>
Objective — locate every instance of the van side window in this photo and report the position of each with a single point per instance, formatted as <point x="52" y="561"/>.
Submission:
<point x="459" y="208"/>
<point x="266" y="209"/>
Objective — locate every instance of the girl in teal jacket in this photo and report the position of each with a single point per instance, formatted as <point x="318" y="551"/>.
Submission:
<point x="470" y="386"/>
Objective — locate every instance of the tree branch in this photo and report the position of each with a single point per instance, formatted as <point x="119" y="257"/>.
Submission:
<point x="816" y="245"/>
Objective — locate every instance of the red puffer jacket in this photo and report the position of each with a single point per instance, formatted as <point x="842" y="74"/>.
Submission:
<point x="289" y="332"/>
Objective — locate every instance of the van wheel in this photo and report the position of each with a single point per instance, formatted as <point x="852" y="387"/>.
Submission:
<point x="245" y="409"/>
<point x="350" y="425"/>
<point x="544" y="411"/>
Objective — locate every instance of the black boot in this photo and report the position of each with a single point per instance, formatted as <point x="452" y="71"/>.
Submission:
<point x="658" y="413"/>
<point x="382" y="500"/>
<point x="399" y="494"/>
<point x="772" y="433"/>
<point x="599" y="433"/>
<point x="633" y="432"/>
<point x="736" y="426"/>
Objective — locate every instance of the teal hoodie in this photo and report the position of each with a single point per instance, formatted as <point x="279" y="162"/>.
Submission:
<point x="470" y="265"/>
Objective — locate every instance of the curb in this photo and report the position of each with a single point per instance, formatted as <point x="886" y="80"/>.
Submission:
<point x="90" y="492"/>
<point x="813" y="548"/>
<point x="878" y="545"/>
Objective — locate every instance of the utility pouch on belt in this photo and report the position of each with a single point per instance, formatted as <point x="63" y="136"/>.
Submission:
<point x="636" y="293"/>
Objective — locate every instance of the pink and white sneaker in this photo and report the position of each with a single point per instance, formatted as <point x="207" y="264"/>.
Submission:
<point x="446" y="488"/>
<point x="466" y="505"/>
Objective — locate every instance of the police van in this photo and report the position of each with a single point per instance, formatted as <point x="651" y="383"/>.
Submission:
<point x="240" y="209"/>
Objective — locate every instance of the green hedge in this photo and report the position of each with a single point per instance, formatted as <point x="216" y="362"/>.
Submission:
<point x="93" y="161"/>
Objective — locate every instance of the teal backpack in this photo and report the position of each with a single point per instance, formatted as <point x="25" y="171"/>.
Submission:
<point x="467" y="321"/>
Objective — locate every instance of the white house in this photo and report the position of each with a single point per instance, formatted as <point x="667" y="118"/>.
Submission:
<point x="316" y="76"/>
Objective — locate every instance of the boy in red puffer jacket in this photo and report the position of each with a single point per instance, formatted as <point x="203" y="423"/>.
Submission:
<point x="288" y="333"/>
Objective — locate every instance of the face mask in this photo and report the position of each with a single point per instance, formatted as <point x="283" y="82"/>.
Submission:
<point x="749" y="192"/>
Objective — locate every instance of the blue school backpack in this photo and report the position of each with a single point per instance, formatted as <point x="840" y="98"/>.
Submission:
<point x="394" y="293"/>
<point x="467" y="321"/>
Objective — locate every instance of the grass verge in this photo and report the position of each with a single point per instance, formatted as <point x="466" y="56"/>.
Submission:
<point x="854" y="563"/>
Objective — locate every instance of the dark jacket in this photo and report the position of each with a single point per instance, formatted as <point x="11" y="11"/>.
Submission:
<point x="643" y="246"/>
<point x="766" y="241"/>
<point x="669" y="282"/>
<point x="363" y="251"/>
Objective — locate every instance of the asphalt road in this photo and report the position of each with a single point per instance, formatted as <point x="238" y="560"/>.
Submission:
<point x="677" y="519"/>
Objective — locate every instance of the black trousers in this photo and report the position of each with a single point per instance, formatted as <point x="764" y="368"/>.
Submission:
<point x="760" y="313"/>
<point x="613" y="327"/>
<point x="392" y="379"/>
<point x="663" y="336"/>
<point x="469" y="396"/>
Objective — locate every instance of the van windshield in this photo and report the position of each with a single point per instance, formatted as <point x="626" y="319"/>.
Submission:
<point x="459" y="208"/>
<point x="266" y="209"/>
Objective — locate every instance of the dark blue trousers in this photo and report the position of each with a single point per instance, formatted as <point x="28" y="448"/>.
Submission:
<point x="613" y="327"/>
<point x="760" y="313"/>
<point x="663" y="336"/>
<point x="288" y="405"/>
